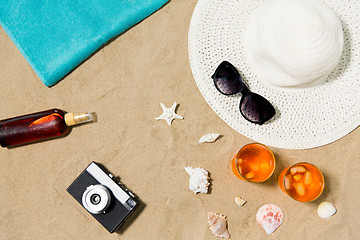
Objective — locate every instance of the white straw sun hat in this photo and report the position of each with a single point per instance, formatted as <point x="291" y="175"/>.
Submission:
<point x="317" y="102"/>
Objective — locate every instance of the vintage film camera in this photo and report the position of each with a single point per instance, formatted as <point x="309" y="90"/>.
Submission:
<point x="106" y="200"/>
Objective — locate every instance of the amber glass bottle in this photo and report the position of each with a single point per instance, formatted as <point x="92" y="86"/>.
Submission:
<point x="39" y="126"/>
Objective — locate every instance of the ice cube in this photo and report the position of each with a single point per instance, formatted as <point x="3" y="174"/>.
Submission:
<point x="288" y="182"/>
<point x="297" y="169"/>
<point x="254" y="167"/>
<point x="307" y="178"/>
<point x="265" y="165"/>
<point x="298" y="177"/>
<point x="250" y="175"/>
<point x="300" y="188"/>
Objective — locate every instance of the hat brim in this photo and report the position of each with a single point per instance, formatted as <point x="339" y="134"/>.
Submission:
<point x="305" y="118"/>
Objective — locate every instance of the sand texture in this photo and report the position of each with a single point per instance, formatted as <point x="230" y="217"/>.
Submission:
<point x="124" y="83"/>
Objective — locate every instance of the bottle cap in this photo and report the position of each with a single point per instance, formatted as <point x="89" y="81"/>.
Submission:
<point x="78" y="118"/>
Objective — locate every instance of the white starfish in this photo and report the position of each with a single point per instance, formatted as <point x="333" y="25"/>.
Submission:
<point x="169" y="114"/>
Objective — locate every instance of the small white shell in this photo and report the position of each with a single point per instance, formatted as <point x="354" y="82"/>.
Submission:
<point x="217" y="225"/>
<point x="240" y="201"/>
<point x="209" y="138"/>
<point x="326" y="209"/>
<point x="198" y="182"/>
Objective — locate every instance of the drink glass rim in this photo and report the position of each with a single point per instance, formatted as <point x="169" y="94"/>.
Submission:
<point x="272" y="156"/>
<point x="322" y="178"/>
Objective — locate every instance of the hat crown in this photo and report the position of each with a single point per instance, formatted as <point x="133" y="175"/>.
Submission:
<point x="294" y="43"/>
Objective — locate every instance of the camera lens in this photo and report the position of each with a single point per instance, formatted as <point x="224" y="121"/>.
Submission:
<point x="95" y="199"/>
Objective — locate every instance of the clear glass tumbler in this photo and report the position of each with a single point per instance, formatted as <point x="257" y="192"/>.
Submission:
<point x="254" y="163"/>
<point x="302" y="181"/>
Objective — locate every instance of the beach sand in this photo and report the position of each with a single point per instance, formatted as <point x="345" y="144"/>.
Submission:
<point x="124" y="83"/>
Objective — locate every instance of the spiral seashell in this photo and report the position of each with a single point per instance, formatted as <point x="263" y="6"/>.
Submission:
<point x="218" y="225"/>
<point x="198" y="182"/>
<point x="294" y="43"/>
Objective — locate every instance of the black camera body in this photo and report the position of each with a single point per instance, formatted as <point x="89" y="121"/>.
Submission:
<point x="106" y="200"/>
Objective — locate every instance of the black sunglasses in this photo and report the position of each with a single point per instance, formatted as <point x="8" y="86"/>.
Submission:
<point x="253" y="107"/>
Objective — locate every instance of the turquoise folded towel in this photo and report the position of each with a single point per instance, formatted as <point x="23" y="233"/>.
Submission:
<point x="55" y="36"/>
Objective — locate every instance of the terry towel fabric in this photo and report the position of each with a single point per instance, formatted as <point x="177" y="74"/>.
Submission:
<point x="55" y="36"/>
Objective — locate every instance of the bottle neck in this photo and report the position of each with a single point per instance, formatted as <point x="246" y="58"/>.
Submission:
<point x="78" y="118"/>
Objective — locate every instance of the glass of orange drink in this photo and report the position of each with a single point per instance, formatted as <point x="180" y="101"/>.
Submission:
<point x="303" y="182"/>
<point x="254" y="163"/>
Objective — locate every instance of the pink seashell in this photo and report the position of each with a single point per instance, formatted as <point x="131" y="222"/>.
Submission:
<point x="270" y="217"/>
<point x="217" y="223"/>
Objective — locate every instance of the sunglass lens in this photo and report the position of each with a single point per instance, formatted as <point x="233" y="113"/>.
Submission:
<point x="256" y="108"/>
<point x="227" y="79"/>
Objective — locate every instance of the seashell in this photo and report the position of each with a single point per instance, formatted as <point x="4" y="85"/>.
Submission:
<point x="209" y="138"/>
<point x="198" y="181"/>
<point x="270" y="217"/>
<point x="326" y="209"/>
<point x="217" y="225"/>
<point x="240" y="201"/>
